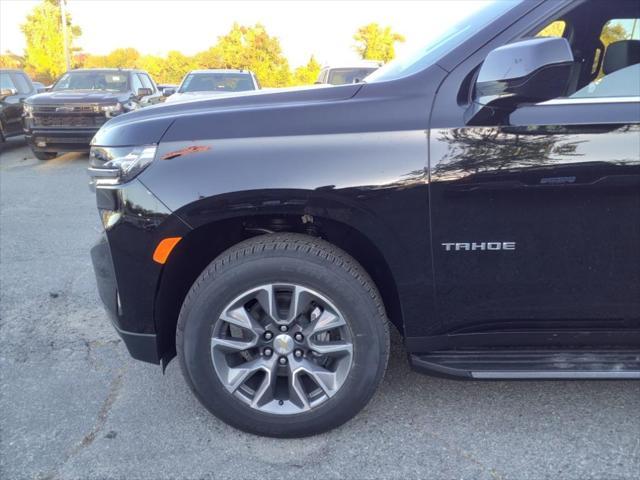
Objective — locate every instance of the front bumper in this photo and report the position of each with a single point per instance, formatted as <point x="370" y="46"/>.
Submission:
<point x="127" y="276"/>
<point x="141" y="346"/>
<point x="60" y="140"/>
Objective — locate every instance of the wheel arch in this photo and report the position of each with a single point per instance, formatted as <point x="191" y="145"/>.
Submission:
<point x="204" y="243"/>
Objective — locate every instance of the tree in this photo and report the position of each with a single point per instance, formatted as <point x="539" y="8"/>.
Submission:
<point x="44" y="52"/>
<point x="376" y="43"/>
<point x="613" y="32"/>
<point x="554" y="29"/>
<point x="176" y="66"/>
<point x="249" y="48"/>
<point x="123" y="58"/>
<point x="93" y="61"/>
<point x="154" y="66"/>
<point x="11" y="60"/>
<point x="307" y="74"/>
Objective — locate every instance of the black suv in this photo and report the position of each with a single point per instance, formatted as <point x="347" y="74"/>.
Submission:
<point x="15" y="86"/>
<point x="483" y="197"/>
<point x="65" y="118"/>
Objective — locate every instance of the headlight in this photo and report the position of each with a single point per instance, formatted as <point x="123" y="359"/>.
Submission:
<point x="115" y="165"/>
<point x="27" y="109"/>
<point x="111" y="110"/>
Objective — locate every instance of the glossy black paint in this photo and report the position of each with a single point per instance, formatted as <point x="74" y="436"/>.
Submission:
<point x="67" y="132"/>
<point x="390" y="171"/>
<point x="11" y="105"/>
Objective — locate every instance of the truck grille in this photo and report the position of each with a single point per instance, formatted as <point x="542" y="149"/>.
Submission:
<point x="67" y="108"/>
<point x="67" y="121"/>
<point x="68" y="116"/>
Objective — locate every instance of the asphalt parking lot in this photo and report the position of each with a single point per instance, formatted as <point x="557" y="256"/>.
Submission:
<point x="75" y="406"/>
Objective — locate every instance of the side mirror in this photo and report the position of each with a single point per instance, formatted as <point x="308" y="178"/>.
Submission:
<point x="143" y="92"/>
<point x="168" y="91"/>
<point x="7" y="92"/>
<point x="39" y="87"/>
<point x="528" y="71"/>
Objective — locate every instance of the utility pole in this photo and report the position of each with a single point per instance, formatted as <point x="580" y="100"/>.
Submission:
<point x="65" y="38"/>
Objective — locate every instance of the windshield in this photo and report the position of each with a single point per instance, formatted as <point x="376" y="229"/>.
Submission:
<point x="107" y="81"/>
<point x="340" y="76"/>
<point x="429" y="54"/>
<point x="217" y="82"/>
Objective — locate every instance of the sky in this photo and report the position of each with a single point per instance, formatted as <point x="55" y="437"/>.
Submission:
<point x="304" y="27"/>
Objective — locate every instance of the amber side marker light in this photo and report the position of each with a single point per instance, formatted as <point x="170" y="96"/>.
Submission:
<point x="164" y="248"/>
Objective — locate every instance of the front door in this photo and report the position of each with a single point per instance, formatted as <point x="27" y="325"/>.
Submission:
<point x="537" y="225"/>
<point x="536" y="221"/>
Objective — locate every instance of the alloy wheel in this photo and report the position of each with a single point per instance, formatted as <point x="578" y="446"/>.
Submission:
<point x="282" y="348"/>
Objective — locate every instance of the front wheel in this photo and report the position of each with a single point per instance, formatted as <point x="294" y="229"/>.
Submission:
<point x="44" y="155"/>
<point x="283" y="335"/>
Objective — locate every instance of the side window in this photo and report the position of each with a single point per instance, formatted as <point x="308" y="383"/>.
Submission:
<point x="615" y="31"/>
<point x="21" y="83"/>
<point x="6" y="82"/>
<point x="618" y="69"/>
<point x="146" y="81"/>
<point x="554" y="29"/>
<point x="135" y="83"/>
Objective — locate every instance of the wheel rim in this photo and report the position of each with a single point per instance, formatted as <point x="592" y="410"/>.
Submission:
<point x="282" y="348"/>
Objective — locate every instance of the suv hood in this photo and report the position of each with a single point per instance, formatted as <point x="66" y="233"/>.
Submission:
<point x="78" y="96"/>
<point x="147" y="126"/>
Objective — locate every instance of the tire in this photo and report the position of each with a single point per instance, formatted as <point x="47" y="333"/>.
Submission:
<point x="45" y="155"/>
<point x="300" y="398"/>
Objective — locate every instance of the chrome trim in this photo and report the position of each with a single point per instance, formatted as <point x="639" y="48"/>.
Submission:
<point x="497" y="375"/>
<point x="589" y="101"/>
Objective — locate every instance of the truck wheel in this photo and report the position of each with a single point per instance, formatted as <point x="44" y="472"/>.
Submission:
<point x="45" y="155"/>
<point x="283" y="335"/>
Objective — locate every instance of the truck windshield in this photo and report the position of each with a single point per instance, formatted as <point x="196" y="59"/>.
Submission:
<point x="216" y="82"/>
<point x="89" y="80"/>
<point x="431" y="52"/>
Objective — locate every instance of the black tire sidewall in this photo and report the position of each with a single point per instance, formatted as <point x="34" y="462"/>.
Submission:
<point x="214" y="292"/>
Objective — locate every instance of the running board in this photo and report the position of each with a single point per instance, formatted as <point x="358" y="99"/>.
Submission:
<point x="531" y="364"/>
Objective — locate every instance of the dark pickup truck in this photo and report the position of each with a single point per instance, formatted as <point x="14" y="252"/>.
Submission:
<point x="15" y="87"/>
<point x="65" y="118"/>
<point x="481" y="197"/>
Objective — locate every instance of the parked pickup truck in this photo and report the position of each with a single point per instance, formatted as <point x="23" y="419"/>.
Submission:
<point x="209" y="83"/>
<point x="349" y="73"/>
<point x="15" y="87"/>
<point x="66" y="117"/>
<point x="481" y="197"/>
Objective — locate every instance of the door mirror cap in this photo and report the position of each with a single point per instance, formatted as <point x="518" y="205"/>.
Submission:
<point x="529" y="71"/>
<point x="7" y="92"/>
<point x="168" y="91"/>
<point x="143" y="92"/>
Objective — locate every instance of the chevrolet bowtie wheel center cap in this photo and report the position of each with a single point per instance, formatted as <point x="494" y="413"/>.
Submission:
<point x="283" y="344"/>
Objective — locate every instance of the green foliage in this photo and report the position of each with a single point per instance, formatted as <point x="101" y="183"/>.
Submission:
<point x="306" y="74"/>
<point x="613" y="32"/>
<point x="176" y="66"/>
<point x="554" y="29"/>
<point x="243" y="47"/>
<point x="44" y="53"/>
<point x="154" y="66"/>
<point x="249" y="48"/>
<point x="123" y="58"/>
<point x="11" y="60"/>
<point x="376" y="43"/>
